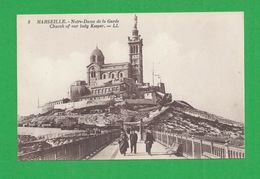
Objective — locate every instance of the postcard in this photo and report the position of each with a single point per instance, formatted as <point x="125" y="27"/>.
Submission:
<point x="130" y="86"/>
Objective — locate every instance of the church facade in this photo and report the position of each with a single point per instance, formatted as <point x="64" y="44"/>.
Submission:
<point x="99" y="73"/>
<point x="110" y="81"/>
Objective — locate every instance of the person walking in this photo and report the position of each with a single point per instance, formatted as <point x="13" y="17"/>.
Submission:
<point x="149" y="141"/>
<point x="123" y="142"/>
<point x="133" y="141"/>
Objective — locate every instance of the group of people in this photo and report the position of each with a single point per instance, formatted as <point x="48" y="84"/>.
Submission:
<point x="124" y="145"/>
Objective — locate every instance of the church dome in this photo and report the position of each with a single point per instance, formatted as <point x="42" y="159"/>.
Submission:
<point x="97" y="56"/>
<point x="97" y="52"/>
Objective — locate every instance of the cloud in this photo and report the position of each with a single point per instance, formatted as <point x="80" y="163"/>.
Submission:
<point x="160" y="52"/>
<point x="48" y="79"/>
<point x="117" y="52"/>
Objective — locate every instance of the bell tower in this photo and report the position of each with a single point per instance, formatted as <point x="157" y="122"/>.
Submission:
<point x="135" y="43"/>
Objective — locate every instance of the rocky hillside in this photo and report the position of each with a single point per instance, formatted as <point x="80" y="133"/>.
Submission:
<point x="181" y="118"/>
<point x="178" y="117"/>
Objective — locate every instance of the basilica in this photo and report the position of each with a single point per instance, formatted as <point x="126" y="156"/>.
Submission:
<point x="97" y="69"/>
<point x="120" y="78"/>
<point x="111" y="81"/>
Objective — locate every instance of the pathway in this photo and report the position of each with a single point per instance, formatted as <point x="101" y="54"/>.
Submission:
<point x="111" y="152"/>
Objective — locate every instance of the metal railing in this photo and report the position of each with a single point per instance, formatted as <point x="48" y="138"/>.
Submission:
<point x="74" y="151"/>
<point x="198" y="148"/>
<point x="65" y="134"/>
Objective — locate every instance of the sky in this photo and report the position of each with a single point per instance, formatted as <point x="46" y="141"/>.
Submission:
<point x="199" y="56"/>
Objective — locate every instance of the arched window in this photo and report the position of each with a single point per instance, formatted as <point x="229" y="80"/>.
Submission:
<point x="104" y="76"/>
<point x="92" y="72"/>
<point x="113" y="76"/>
<point x="121" y="75"/>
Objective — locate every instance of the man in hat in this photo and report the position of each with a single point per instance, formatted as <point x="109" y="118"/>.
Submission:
<point x="133" y="140"/>
<point x="149" y="141"/>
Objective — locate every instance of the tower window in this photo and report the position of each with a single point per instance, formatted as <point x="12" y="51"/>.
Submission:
<point x="93" y="74"/>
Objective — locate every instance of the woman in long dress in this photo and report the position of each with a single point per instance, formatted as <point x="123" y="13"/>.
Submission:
<point x="149" y="141"/>
<point x="123" y="143"/>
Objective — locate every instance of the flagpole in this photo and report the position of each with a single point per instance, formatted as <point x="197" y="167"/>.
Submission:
<point x="153" y="73"/>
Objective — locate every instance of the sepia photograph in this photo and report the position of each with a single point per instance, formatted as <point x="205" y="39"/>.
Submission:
<point x="130" y="86"/>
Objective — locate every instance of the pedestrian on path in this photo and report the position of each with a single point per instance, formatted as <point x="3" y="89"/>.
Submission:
<point x="149" y="141"/>
<point x="133" y="141"/>
<point x="123" y="142"/>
